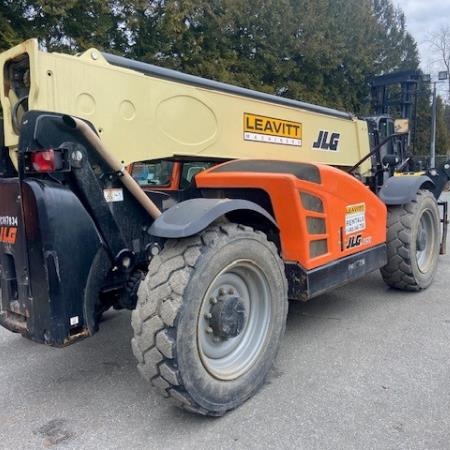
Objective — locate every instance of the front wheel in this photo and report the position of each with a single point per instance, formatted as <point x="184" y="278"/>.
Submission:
<point x="412" y="243"/>
<point x="210" y="317"/>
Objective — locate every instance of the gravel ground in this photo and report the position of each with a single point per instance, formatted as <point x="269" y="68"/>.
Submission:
<point x="363" y="367"/>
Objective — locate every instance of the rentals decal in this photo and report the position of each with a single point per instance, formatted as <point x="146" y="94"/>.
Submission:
<point x="355" y="218"/>
<point x="271" y="130"/>
<point x="325" y="143"/>
<point x="8" y="229"/>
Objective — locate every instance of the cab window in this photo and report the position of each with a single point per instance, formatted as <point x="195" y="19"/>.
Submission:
<point x="152" y="173"/>
<point x="191" y="169"/>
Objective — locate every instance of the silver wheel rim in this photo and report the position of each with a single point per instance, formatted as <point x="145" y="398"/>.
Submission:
<point x="229" y="358"/>
<point x="425" y="241"/>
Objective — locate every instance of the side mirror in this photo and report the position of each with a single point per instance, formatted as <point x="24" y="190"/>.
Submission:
<point x="391" y="161"/>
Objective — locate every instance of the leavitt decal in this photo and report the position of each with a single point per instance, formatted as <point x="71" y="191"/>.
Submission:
<point x="272" y="131"/>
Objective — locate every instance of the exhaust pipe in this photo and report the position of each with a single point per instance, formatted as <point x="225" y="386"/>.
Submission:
<point x="127" y="180"/>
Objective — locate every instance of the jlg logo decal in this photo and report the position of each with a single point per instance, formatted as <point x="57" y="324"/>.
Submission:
<point x="8" y="235"/>
<point x="325" y="143"/>
<point x="356" y="241"/>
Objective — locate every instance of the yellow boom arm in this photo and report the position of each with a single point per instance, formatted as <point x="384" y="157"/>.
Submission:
<point x="144" y="112"/>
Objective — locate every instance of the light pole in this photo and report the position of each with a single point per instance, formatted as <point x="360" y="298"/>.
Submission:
<point x="433" y="130"/>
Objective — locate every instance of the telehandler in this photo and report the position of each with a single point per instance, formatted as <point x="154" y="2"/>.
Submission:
<point x="200" y="206"/>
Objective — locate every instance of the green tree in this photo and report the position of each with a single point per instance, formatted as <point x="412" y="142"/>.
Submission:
<point x="396" y="47"/>
<point x="321" y="51"/>
<point x="422" y="136"/>
<point x="75" y="25"/>
<point x="442" y="128"/>
<point x="13" y="23"/>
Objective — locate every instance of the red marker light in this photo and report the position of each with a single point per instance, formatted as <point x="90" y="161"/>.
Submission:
<point x="43" y="161"/>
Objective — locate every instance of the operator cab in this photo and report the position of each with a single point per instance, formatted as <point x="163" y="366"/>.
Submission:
<point x="168" y="182"/>
<point x="392" y="155"/>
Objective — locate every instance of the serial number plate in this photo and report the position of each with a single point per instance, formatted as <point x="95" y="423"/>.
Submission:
<point x="113" y="195"/>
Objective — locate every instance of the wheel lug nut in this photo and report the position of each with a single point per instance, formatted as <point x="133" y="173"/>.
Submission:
<point x="209" y="330"/>
<point x="221" y="291"/>
<point x="230" y="291"/>
<point x="208" y="316"/>
<point x="213" y="300"/>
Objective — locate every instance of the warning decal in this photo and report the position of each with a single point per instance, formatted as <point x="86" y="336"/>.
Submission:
<point x="271" y="130"/>
<point x="113" y="195"/>
<point x="355" y="218"/>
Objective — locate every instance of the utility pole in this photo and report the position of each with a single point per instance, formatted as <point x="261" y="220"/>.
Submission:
<point x="433" y="130"/>
<point x="442" y="76"/>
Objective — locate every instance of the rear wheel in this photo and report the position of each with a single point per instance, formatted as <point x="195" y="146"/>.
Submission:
<point x="210" y="317"/>
<point x="412" y="243"/>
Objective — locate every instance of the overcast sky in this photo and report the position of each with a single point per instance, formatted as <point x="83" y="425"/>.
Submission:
<point x="422" y="18"/>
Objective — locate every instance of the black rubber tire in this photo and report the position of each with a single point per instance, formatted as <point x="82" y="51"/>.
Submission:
<point x="402" y="270"/>
<point x="165" y="319"/>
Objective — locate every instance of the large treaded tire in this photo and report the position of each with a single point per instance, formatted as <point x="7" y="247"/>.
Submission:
<point x="170" y="302"/>
<point x="403" y="270"/>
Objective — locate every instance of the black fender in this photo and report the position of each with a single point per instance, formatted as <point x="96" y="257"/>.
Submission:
<point x="62" y="243"/>
<point x="192" y="216"/>
<point x="403" y="189"/>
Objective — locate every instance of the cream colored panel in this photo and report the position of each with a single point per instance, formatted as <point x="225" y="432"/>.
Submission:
<point x="141" y="117"/>
<point x="174" y="118"/>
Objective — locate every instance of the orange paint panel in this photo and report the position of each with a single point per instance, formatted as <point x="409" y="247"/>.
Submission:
<point x="355" y="218"/>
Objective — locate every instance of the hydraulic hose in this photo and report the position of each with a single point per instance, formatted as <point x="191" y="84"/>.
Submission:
<point x="127" y="180"/>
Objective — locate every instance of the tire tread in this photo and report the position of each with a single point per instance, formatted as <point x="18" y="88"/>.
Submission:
<point x="398" y="272"/>
<point x="154" y="320"/>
